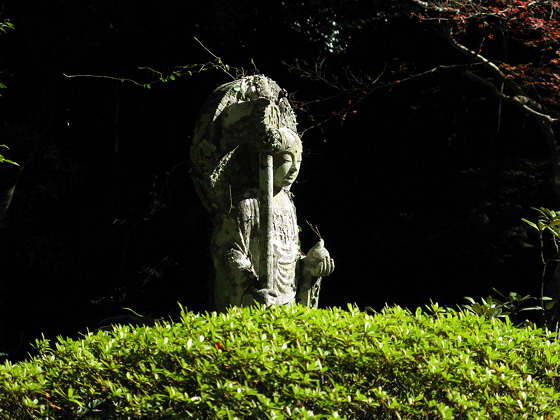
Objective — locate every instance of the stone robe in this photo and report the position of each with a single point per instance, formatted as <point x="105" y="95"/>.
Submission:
<point x="236" y="254"/>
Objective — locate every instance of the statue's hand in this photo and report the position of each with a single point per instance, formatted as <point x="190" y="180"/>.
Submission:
<point x="320" y="268"/>
<point x="267" y="297"/>
<point x="318" y="261"/>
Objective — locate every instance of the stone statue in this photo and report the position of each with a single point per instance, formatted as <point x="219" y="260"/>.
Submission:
<point x="245" y="156"/>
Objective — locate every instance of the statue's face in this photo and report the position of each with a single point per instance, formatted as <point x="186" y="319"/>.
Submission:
<point x="286" y="167"/>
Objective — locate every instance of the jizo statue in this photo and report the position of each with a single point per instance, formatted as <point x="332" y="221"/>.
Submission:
<point x="245" y="156"/>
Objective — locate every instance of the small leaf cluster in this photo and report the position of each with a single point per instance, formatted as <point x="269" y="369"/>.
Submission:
<point x="548" y="221"/>
<point x="548" y="227"/>
<point x="4" y="25"/>
<point x="294" y="362"/>
<point x="3" y="159"/>
<point x="511" y="305"/>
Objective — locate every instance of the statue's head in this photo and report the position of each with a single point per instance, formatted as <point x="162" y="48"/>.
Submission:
<point x="238" y="121"/>
<point x="287" y="160"/>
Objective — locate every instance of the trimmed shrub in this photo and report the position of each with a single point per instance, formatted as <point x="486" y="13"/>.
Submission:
<point x="293" y="362"/>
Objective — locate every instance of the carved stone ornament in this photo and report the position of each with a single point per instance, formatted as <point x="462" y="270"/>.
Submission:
<point x="245" y="156"/>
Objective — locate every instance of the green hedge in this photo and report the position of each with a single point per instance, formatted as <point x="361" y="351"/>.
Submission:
<point x="293" y="363"/>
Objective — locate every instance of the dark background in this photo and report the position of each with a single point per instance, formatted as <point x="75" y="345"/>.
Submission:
<point x="417" y="196"/>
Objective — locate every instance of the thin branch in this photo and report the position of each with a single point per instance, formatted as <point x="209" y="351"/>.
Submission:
<point x="473" y="54"/>
<point x="453" y="8"/>
<point x="519" y="99"/>
<point x="371" y="88"/>
<point x="120" y="79"/>
<point x="429" y="6"/>
<point x="160" y="77"/>
<point x="152" y="70"/>
<point x="220" y="62"/>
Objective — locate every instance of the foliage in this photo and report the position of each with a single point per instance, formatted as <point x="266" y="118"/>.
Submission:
<point x="489" y="32"/>
<point x="547" y="222"/>
<point x="509" y="47"/>
<point x="511" y="305"/>
<point x="547" y="226"/>
<point x="3" y="159"/>
<point x="293" y="363"/>
<point x="4" y="25"/>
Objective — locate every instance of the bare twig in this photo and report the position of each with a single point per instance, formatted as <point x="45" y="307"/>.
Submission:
<point x="519" y="99"/>
<point x="359" y="87"/>
<point x="152" y="70"/>
<point x="220" y="62"/>
<point x="120" y="79"/>
<point x="315" y="229"/>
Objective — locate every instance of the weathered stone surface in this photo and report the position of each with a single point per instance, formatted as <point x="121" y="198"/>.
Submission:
<point x="245" y="156"/>
<point x="239" y="119"/>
